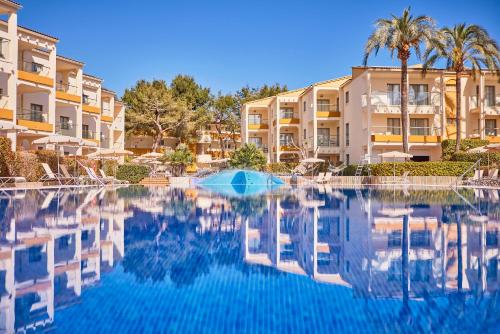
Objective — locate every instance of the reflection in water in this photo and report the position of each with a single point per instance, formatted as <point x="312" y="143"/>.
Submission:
<point x="325" y="259"/>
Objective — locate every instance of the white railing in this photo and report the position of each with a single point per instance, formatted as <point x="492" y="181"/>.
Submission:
<point x="388" y="102"/>
<point x="33" y="67"/>
<point x="4" y="48"/>
<point x="414" y="130"/>
<point x="327" y="107"/>
<point x="67" y="88"/>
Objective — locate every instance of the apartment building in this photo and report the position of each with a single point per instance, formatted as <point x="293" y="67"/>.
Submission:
<point x="358" y="117"/>
<point x="44" y="93"/>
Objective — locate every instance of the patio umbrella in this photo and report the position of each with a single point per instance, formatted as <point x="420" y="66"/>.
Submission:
<point x="58" y="141"/>
<point x="395" y="155"/>
<point x="110" y="153"/>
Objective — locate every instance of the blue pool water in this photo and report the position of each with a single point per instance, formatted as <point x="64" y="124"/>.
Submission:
<point x="306" y="260"/>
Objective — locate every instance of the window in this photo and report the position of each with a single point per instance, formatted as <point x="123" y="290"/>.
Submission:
<point x="35" y="254"/>
<point x="36" y="67"/>
<point x="286" y="139"/>
<point x="63" y="242"/>
<point x="490" y="126"/>
<point x="36" y="112"/>
<point x="257" y="141"/>
<point x="323" y="137"/>
<point x="1" y="91"/>
<point x="490" y="96"/>
<point x="4" y="43"/>
<point x="347" y="134"/>
<point x="419" y="127"/>
<point x="255" y="119"/>
<point x="304" y="107"/>
<point x="346" y="97"/>
<point x="337" y="106"/>
<point x="305" y="134"/>
<point x="393" y="94"/>
<point x="347" y="160"/>
<point x="347" y="228"/>
<point x="393" y="126"/>
<point x="85" y="235"/>
<point x="418" y="95"/>
<point x="64" y="121"/>
<point x="85" y="99"/>
<point x="85" y="131"/>
<point x="286" y="113"/>
<point x="323" y="105"/>
<point x="394" y="239"/>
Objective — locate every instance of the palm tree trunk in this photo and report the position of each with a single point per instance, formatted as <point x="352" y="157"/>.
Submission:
<point x="404" y="102"/>
<point x="458" y="110"/>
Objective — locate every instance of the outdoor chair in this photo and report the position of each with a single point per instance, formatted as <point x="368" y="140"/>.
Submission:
<point x="112" y="178"/>
<point x="67" y="175"/>
<point x="336" y="171"/>
<point x="399" y="179"/>
<point x="51" y="176"/>
<point x="493" y="173"/>
<point x="327" y="178"/>
<point x="320" y="177"/>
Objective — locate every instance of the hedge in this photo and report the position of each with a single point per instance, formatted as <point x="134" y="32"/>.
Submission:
<point x="280" y="167"/>
<point x="6" y="157"/>
<point x="432" y="168"/>
<point x="132" y="173"/>
<point x="448" y="146"/>
<point x="492" y="158"/>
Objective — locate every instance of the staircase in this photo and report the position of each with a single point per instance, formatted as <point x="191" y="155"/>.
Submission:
<point x="359" y="169"/>
<point x="155" y="181"/>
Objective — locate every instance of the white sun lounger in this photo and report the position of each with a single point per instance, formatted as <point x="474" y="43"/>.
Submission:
<point x="4" y="180"/>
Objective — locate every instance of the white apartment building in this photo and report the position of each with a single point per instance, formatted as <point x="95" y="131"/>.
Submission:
<point x="44" y="93"/>
<point x="357" y="117"/>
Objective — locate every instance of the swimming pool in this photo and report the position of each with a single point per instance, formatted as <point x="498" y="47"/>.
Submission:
<point x="134" y="260"/>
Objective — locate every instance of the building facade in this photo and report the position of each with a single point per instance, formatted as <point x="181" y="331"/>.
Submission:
<point x="357" y="117"/>
<point x="44" y="93"/>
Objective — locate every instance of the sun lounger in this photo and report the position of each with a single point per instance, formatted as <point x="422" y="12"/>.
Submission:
<point x="67" y="175"/>
<point x="320" y="177"/>
<point x="338" y="170"/>
<point x="399" y="179"/>
<point x="5" y="180"/>
<point x="93" y="176"/>
<point x="327" y="178"/>
<point x="51" y="176"/>
<point x="493" y="173"/>
<point x="113" y="179"/>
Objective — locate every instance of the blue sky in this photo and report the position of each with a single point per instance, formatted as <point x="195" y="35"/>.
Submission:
<point x="226" y="44"/>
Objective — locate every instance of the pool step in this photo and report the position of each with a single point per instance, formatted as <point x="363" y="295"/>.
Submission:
<point x="155" y="181"/>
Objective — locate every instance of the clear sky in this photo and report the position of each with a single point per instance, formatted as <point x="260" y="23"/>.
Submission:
<point x="226" y="44"/>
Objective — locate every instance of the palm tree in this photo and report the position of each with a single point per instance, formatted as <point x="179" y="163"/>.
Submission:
<point x="401" y="35"/>
<point x="463" y="45"/>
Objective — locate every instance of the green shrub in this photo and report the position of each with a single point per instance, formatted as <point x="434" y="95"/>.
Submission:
<point x="109" y="167"/>
<point x="48" y="157"/>
<point x="248" y="156"/>
<point x="280" y="167"/>
<point x="132" y="172"/>
<point x="492" y="158"/>
<point x="448" y="146"/>
<point x="432" y="168"/>
<point x="6" y="157"/>
<point x="179" y="159"/>
<point x="26" y="164"/>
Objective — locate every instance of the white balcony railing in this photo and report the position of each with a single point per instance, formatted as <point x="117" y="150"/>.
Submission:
<point x="389" y="102"/>
<point x="327" y="107"/>
<point x="32" y="115"/>
<point x="33" y="67"/>
<point x="4" y="48"/>
<point x="414" y="130"/>
<point x="67" y="88"/>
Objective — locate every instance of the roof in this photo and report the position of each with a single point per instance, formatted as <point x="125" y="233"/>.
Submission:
<point x="331" y="83"/>
<point x="108" y="90"/>
<point x="13" y="4"/>
<point x="52" y="38"/>
<point x="71" y="60"/>
<point x="92" y="76"/>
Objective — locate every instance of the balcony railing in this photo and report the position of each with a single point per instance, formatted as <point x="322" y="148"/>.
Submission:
<point x="288" y="114"/>
<point x="473" y="102"/>
<point x="89" y="100"/>
<point x="32" y="115"/>
<point x="287" y="142"/>
<point x="253" y="121"/>
<point x="414" y="130"/>
<point x="390" y="99"/>
<point x="493" y="102"/>
<point x="106" y="111"/>
<point x="90" y="134"/>
<point x="67" y="88"/>
<point x="328" y="107"/>
<point x="491" y="131"/>
<point x="262" y="147"/>
<point x="324" y="141"/>
<point x="32" y="67"/>
<point x="67" y="129"/>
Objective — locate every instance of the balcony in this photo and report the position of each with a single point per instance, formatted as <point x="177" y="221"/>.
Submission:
<point x="327" y="110"/>
<point x="90" y="135"/>
<point x="491" y="134"/>
<point x="288" y="117"/>
<point x="288" y="145"/>
<point x="34" y="120"/>
<point x="106" y="116"/>
<point x="258" y="124"/>
<point x="35" y="73"/>
<point x="90" y="105"/>
<point x="420" y="135"/>
<point x="326" y="144"/>
<point x="264" y="148"/>
<point x="67" y="92"/>
<point x="390" y="103"/>
<point x="66" y="129"/>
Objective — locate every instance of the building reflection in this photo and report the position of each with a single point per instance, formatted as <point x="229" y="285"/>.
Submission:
<point x="53" y="244"/>
<point x="388" y="244"/>
<point x="381" y="249"/>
